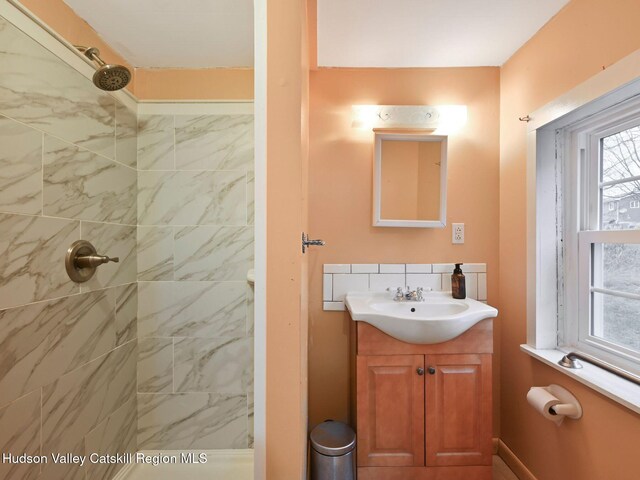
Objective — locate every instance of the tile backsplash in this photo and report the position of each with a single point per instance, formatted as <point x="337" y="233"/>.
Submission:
<point x="340" y="278"/>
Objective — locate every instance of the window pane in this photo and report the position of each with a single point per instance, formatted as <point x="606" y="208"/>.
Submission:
<point x="616" y="320"/>
<point x="620" y="267"/>
<point x="621" y="206"/>
<point x="621" y="155"/>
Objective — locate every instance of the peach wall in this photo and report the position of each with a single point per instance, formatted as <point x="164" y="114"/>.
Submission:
<point x="287" y="156"/>
<point x="584" y="37"/>
<point x="340" y="198"/>
<point x="194" y="84"/>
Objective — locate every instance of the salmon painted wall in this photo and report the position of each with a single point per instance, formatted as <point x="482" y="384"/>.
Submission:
<point x="340" y="198"/>
<point x="194" y="84"/>
<point x="583" y="38"/>
<point x="287" y="158"/>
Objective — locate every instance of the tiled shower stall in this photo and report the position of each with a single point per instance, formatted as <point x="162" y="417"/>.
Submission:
<point x="154" y="352"/>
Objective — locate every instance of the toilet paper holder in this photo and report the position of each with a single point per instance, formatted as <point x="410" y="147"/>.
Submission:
<point x="567" y="405"/>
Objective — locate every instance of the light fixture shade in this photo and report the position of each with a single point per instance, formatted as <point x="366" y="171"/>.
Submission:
<point x="408" y="116"/>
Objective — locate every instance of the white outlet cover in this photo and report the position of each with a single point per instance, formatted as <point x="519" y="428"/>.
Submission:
<point x="457" y="233"/>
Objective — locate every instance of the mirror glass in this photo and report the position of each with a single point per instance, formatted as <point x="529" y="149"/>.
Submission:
<point x="410" y="180"/>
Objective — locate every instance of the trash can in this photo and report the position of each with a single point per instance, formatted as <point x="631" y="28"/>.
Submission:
<point x="333" y="451"/>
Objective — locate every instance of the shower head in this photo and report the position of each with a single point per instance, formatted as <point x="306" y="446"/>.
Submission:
<point x="107" y="77"/>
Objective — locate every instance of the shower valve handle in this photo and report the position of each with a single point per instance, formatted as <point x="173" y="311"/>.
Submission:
<point x="82" y="260"/>
<point x="92" y="261"/>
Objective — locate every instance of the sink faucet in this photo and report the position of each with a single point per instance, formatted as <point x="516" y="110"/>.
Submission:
<point x="399" y="295"/>
<point x="416" y="295"/>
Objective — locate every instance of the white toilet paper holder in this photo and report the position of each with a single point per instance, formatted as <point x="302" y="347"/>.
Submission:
<point x="569" y="405"/>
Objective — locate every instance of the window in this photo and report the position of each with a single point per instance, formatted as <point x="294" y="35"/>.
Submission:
<point x="601" y="252"/>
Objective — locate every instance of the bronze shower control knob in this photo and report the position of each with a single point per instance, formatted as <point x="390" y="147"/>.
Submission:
<point x="82" y="260"/>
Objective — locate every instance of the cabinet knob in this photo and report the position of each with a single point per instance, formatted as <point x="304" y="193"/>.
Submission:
<point x="432" y="371"/>
<point x="420" y="371"/>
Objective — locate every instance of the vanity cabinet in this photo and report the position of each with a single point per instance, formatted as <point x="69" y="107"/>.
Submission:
<point x="423" y="412"/>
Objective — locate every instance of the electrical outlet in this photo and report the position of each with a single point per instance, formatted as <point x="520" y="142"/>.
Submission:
<point x="457" y="233"/>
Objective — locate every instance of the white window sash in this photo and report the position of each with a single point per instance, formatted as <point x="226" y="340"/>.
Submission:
<point x="583" y="338"/>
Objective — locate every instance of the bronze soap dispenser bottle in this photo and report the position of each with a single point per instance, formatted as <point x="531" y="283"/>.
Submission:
<point x="458" y="287"/>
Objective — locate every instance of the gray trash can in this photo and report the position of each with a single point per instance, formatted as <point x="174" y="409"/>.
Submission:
<point x="333" y="452"/>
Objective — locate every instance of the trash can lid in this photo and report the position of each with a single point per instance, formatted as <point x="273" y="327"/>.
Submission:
<point x="333" y="438"/>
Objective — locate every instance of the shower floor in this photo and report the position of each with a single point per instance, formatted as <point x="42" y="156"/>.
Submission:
<point x="221" y="465"/>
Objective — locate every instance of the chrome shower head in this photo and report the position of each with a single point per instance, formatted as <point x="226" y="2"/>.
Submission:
<point x="107" y="77"/>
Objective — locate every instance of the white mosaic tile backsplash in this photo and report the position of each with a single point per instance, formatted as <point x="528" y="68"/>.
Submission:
<point x="340" y="278"/>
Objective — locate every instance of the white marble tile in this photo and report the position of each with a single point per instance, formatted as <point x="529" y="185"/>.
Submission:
<point x="155" y="253"/>
<point x="191" y="309"/>
<point x="20" y="433"/>
<point x="115" y="435"/>
<point x="113" y="241"/>
<point x="251" y="185"/>
<point x="155" y="365"/>
<point x="334" y="306"/>
<point x="77" y="402"/>
<point x="126" y="313"/>
<point x="216" y="365"/>
<point x="214" y="142"/>
<point x="336" y="268"/>
<point x="45" y="340"/>
<point x="191" y="421"/>
<point x="38" y="89"/>
<point x="392" y="268"/>
<point x="250" y="417"/>
<point x="32" y="250"/>
<point x="213" y="253"/>
<point x="379" y="282"/>
<point x="155" y="142"/>
<point x="327" y="287"/>
<point x="352" y="282"/>
<point x="126" y="136"/>
<point x="65" y="471"/>
<point x="431" y="281"/>
<point x="20" y="168"/>
<point x="482" y="286"/>
<point x="250" y="310"/>
<point x="418" y="268"/>
<point x="364" y="268"/>
<point x="85" y="186"/>
<point x="192" y="198"/>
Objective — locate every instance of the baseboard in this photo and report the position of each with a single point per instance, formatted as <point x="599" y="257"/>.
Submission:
<point x="513" y="462"/>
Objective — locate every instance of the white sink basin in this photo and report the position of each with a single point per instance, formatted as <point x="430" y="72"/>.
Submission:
<point x="439" y="318"/>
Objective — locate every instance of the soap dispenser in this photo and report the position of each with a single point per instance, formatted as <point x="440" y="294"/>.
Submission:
<point x="458" y="288"/>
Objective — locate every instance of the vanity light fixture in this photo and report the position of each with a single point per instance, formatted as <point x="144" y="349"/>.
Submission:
<point x="443" y="118"/>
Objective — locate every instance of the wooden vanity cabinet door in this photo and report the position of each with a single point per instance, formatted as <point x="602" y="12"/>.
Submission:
<point x="390" y="410"/>
<point x="458" y="409"/>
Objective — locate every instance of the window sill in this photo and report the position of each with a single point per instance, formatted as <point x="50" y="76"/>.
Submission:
<point x="611" y="386"/>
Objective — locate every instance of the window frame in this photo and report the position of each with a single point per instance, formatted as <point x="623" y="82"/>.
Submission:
<point x="578" y="212"/>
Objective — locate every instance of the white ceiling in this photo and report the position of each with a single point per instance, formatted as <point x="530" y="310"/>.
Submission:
<point x="174" y="33"/>
<point x="427" y="33"/>
<point x="351" y="33"/>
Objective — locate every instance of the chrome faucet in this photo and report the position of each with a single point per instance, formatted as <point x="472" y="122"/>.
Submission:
<point x="416" y="295"/>
<point x="399" y="295"/>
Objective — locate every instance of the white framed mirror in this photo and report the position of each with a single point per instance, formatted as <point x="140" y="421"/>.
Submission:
<point x="410" y="180"/>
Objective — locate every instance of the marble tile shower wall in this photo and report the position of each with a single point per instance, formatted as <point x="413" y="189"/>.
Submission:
<point x="68" y="353"/>
<point x="195" y="245"/>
